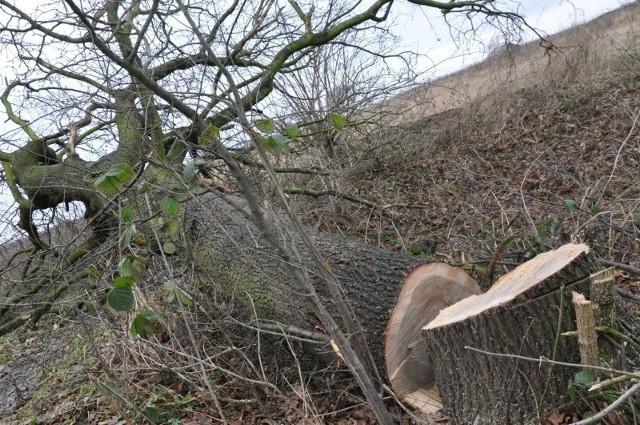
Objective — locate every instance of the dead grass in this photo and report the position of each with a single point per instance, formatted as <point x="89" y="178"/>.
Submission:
<point x="541" y="152"/>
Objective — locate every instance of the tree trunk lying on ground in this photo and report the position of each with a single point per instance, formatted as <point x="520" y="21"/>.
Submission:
<point x="393" y="296"/>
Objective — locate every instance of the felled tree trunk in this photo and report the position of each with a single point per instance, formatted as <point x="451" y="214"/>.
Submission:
<point x="522" y="314"/>
<point x="242" y="265"/>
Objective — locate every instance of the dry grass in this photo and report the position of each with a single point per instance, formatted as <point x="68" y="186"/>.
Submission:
<point x="542" y="147"/>
<point x="515" y="67"/>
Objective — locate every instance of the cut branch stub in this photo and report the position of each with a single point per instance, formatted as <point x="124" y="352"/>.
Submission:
<point x="425" y="291"/>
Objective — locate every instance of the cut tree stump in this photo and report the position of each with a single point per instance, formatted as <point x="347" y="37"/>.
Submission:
<point x="426" y="290"/>
<point x="523" y="314"/>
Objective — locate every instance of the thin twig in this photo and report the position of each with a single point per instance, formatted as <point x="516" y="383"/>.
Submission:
<point x="543" y="359"/>
<point x="624" y="267"/>
<point x="615" y="162"/>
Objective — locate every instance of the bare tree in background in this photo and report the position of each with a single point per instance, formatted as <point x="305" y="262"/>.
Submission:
<point x="126" y="107"/>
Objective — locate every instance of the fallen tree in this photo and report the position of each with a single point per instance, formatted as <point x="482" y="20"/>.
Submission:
<point x="127" y="122"/>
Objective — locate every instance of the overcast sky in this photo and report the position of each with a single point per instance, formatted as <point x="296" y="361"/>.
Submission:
<point x="425" y="32"/>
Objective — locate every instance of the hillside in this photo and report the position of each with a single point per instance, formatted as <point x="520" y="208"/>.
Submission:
<point x="483" y="169"/>
<point x="514" y="67"/>
<point x="533" y="144"/>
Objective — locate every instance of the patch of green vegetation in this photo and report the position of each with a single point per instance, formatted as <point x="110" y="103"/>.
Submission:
<point x="166" y="409"/>
<point x="587" y="403"/>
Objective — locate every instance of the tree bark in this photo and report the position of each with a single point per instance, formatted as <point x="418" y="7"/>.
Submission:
<point x="523" y="314"/>
<point x="235" y="257"/>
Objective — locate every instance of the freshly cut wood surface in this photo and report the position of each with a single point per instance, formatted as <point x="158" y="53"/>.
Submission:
<point x="521" y="314"/>
<point x="509" y="286"/>
<point x="425" y="291"/>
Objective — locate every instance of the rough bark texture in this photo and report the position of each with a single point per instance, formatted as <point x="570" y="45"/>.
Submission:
<point x="482" y="389"/>
<point x="243" y="265"/>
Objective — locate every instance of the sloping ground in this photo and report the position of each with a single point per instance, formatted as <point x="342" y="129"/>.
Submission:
<point x="513" y="67"/>
<point x="542" y="160"/>
<point x="503" y="175"/>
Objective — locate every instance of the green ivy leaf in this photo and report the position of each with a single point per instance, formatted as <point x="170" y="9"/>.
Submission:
<point x="111" y="180"/>
<point x="142" y="324"/>
<point x="265" y="126"/>
<point x="120" y="298"/>
<point x="170" y="206"/>
<point x="339" y="121"/>
<point x="169" y="248"/>
<point x="127" y="235"/>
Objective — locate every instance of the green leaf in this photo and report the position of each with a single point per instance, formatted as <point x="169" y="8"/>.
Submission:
<point x="276" y="143"/>
<point x="139" y="239"/>
<point x="169" y="291"/>
<point x="156" y="222"/>
<point x="133" y="266"/>
<point x="127" y="235"/>
<point x="189" y="172"/>
<point x="123" y="281"/>
<point x="170" y="206"/>
<point x="142" y="324"/>
<point x="265" y="126"/>
<point x="169" y="248"/>
<point x="584" y="380"/>
<point x="182" y="297"/>
<point x="292" y="131"/>
<point x="209" y="135"/>
<point x="120" y="298"/>
<point x="154" y="414"/>
<point x="568" y="204"/>
<point x="172" y="293"/>
<point x="111" y="180"/>
<point x="339" y="121"/>
<point x="126" y="214"/>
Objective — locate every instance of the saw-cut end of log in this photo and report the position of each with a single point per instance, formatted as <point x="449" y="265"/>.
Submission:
<point x="509" y="286"/>
<point x="425" y="291"/>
